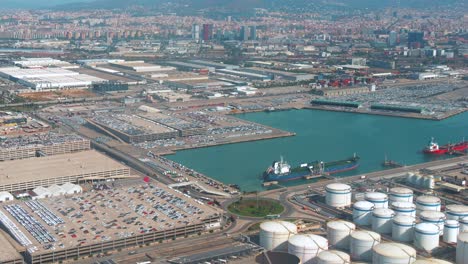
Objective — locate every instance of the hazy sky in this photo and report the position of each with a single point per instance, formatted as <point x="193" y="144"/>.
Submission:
<point x="35" y="3"/>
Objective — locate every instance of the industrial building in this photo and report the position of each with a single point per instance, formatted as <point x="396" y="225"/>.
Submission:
<point x="131" y="128"/>
<point x="141" y="66"/>
<point x="46" y="79"/>
<point x="186" y="66"/>
<point x="285" y="75"/>
<point x="44" y="62"/>
<point x="46" y="144"/>
<point x="71" y="227"/>
<point x="8" y="253"/>
<point x="216" y="65"/>
<point x="332" y="92"/>
<point x="27" y="174"/>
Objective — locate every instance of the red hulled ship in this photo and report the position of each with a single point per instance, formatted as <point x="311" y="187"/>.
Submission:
<point x="434" y="148"/>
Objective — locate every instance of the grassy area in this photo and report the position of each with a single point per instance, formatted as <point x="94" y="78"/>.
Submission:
<point x="255" y="208"/>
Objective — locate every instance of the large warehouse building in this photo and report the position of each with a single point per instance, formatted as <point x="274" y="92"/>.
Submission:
<point x="46" y="144"/>
<point x="46" y="79"/>
<point x="27" y="174"/>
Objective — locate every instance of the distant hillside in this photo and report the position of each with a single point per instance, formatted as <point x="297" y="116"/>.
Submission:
<point x="249" y="4"/>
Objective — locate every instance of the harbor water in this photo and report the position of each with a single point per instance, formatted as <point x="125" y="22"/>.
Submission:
<point x="326" y="136"/>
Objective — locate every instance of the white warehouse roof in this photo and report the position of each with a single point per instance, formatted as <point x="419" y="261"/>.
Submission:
<point x="6" y="196"/>
<point x="70" y="188"/>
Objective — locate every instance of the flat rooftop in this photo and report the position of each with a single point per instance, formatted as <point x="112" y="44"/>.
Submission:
<point x="111" y="211"/>
<point x="38" y="140"/>
<point x="36" y="169"/>
<point x="131" y="124"/>
<point x="7" y="251"/>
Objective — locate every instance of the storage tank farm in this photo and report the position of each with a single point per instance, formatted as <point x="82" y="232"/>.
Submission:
<point x="333" y="257"/>
<point x="274" y="235"/>
<point x="338" y="195"/>
<point x="463" y="224"/>
<point x="451" y="230"/>
<point x="362" y="213"/>
<point x="456" y="211"/>
<point x="362" y="243"/>
<point x="426" y="236"/>
<point x="307" y="247"/>
<point x="380" y="200"/>
<point x="403" y="228"/>
<point x="394" y="253"/>
<point x="382" y="220"/>
<point x="462" y="248"/>
<point x="434" y="217"/>
<point x="338" y="233"/>
<point x="400" y="194"/>
<point x="404" y="208"/>
<point x="432" y="261"/>
<point x="427" y="203"/>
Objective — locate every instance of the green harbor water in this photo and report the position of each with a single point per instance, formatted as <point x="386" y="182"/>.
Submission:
<point x="322" y="135"/>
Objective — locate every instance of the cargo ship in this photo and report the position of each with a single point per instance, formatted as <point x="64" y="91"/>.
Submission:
<point x="281" y="171"/>
<point x="434" y="148"/>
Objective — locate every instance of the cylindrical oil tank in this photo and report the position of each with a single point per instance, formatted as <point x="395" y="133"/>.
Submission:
<point x="456" y="211"/>
<point x="274" y="235"/>
<point x="451" y="229"/>
<point x="429" y="182"/>
<point x="426" y="236"/>
<point x="432" y="261"/>
<point x="433" y="217"/>
<point x="462" y="248"/>
<point x="382" y="220"/>
<point x="338" y="195"/>
<point x="410" y="177"/>
<point x="362" y="243"/>
<point x="418" y="180"/>
<point x="307" y="247"/>
<point x="380" y="200"/>
<point x="463" y="224"/>
<point x="362" y="213"/>
<point x="403" y="228"/>
<point x="394" y="253"/>
<point x="338" y="233"/>
<point x="400" y="194"/>
<point x="332" y="257"/>
<point x="404" y="208"/>
<point x="427" y="203"/>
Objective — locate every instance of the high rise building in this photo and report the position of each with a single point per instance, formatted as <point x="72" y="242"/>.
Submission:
<point x="253" y="32"/>
<point x="415" y="40"/>
<point x="196" y="32"/>
<point x="392" y="38"/>
<point x="244" y="33"/>
<point x="207" y="32"/>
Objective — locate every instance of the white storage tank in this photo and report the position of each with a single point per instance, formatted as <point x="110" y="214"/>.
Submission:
<point x="338" y="195"/>
<point x="380" y="200"/>
<point x="451" y="229"/>
<point x="432" y="261"/>
<point x="456" y="211"/>
<point x="427" y="203"/>
<point x="463" y="224"/>
<point x="410" y="177"/>
<point x="400" y="194"/>
<point x="362" y="243"/>
<point x="362" y="213"/>
<point x="338" y="233"/>
<point x="404" y="208"/>
<point x="394" y="253"/>
<point x="462" y="248"/>
<point x="382" y="220"/>
<point x="274" y="235"/>
<point x="429" y="182"/>
<point x="403" y="228"/>
<point x="332" y="257"/>
<point x="426" y="236"/>
<point x="433" y="217"/>
<point x="418" y="180"/>
<point x="307" y="247"/>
